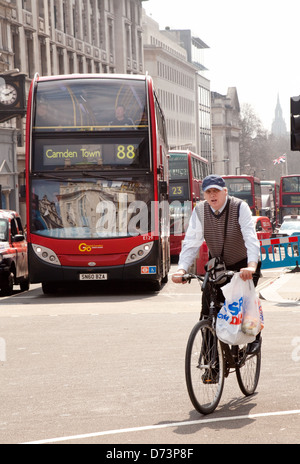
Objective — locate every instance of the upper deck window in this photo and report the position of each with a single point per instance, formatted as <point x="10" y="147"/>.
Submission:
<point x="90" y="105"/>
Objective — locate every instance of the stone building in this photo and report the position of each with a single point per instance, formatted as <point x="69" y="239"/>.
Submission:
<point x="225" y="132"/>
<point x="175" y="61"/>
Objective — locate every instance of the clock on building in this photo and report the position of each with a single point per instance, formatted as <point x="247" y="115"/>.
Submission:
<point x="8" y="94"/>
<point x="12" y="96"/>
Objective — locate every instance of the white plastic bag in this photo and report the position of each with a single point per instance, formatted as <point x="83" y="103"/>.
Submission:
<point x="230" y="317"/>
<point x="253" y="319"/>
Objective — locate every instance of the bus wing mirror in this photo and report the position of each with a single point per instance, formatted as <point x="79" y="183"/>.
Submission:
<point x="18" y="238"/>
<point x="163" y="187"/>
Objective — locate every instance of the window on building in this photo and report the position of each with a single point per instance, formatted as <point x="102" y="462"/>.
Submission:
<point x="26" y="5"/>
<point x="29" y="54"/>
<point x="64" y="17"/>
<point x="43" y="56"/>
<point x="41" y="11"/>
<point x="111" y="37"/>
<point x="60" y="57"/>
<point x="71" y="62"/>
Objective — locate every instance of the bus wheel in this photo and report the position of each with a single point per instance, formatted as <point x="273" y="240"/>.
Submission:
<point x="156" y="285"/>
<point x="25" y="285"/>
<point x="165" y="279"/>
<point x="49" y="288"/>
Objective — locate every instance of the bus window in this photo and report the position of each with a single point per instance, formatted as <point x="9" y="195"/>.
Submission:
<point x="91" y="104"/>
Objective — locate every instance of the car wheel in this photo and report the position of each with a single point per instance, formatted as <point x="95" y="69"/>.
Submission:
<point x="8" y="286"/>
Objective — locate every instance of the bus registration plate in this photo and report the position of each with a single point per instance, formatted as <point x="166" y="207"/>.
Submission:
<point x="92" y="276"/>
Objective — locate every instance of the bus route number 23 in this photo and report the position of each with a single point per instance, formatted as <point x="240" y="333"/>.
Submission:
<point x="177" y="190"/>
<point x="126" y="152"/>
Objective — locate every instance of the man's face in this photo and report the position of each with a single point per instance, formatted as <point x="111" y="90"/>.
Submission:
<point x="120" y="112"/>
<point x="216" y="198"/>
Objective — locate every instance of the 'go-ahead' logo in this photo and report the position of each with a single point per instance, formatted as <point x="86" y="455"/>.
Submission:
<point x="83" y="247"/>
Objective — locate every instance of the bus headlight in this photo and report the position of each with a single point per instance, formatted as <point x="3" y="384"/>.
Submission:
<point x="46" y="254"/>
<point x="139" y="252"/>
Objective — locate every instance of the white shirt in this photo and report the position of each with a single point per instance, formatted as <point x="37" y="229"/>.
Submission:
<point x="194" y="237"/>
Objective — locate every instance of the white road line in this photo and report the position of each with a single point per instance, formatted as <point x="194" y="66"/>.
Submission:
<point x="161" y="426"/>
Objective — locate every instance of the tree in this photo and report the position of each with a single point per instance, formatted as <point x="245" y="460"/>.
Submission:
<point x="253" y="141"/>
<point x="259" y="149"/>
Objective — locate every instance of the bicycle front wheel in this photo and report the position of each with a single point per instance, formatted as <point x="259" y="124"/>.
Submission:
<point x="204" y="368"/>
<point x="248" y="370"/>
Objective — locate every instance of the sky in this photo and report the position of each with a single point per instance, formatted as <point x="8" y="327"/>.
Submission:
<point x="254" y="46"/>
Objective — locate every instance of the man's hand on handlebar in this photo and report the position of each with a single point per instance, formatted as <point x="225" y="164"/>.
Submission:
<point x="177" y="277"/>
<point x="246" y="273"/>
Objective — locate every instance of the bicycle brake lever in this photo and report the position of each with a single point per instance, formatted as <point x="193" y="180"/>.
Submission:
<point x="205" y="281"/>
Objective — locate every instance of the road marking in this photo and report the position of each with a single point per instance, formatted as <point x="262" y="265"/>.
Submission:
<point x="161" y="426"/>
<point x="264" y="284"/>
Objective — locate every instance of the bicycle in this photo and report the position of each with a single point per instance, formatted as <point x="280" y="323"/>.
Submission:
<point x="208" y="361"/>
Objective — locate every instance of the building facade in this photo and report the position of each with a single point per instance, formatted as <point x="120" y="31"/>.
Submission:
<point x="171" y="58"/>
<point x="225" y="132"/>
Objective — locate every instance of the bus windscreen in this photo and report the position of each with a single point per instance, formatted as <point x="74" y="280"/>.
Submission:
<point x="240" y="188"/>
<point x="91" y="207"/>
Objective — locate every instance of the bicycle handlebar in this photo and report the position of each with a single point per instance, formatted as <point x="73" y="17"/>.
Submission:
<point x="189" y="277"/>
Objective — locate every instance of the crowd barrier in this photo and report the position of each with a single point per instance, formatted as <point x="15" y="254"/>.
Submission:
<point x="280" y="252"/>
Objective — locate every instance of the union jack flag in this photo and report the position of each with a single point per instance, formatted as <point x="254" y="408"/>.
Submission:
<point x="281" y="159"/>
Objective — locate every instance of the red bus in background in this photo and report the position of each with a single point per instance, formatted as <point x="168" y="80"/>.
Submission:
<point x="186" y="172"/>
<point x="289" y="196"/>
<point x="246" y="188"/>
<point x="270" y="200"/>
<point x="97" y="178"/>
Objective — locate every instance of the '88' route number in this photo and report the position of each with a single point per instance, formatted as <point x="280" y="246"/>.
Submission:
<point x="125" y="151"/>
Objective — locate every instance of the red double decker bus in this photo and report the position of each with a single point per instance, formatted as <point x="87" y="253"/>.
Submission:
<point x="186" y="172"/>
<point x="247" y="188"/>
<point x="97" y="178"/>
<point x="289" y="196"/>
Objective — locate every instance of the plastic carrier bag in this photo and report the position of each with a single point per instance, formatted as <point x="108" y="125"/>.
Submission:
<point x="253" y="318"/>
<point x="241" y="318"/>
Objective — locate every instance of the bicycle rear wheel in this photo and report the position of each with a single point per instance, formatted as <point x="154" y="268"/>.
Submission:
<point x="204" y="368"/>
<point x="248" y="370"/>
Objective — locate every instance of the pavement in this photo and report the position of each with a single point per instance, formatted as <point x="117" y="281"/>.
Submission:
<point x="285" y="288"/>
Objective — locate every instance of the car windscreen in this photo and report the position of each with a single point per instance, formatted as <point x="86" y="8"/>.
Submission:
<point x="3" y="230"/>
<point x="290" y="225"/>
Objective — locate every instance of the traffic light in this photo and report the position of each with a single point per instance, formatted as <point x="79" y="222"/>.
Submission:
<point x="295" y="123"/>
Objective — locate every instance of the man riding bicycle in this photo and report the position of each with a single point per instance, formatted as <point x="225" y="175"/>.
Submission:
<point x="226" y="224"/>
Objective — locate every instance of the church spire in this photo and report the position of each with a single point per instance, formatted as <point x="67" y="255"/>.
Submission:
<point x="278" y="126"/>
